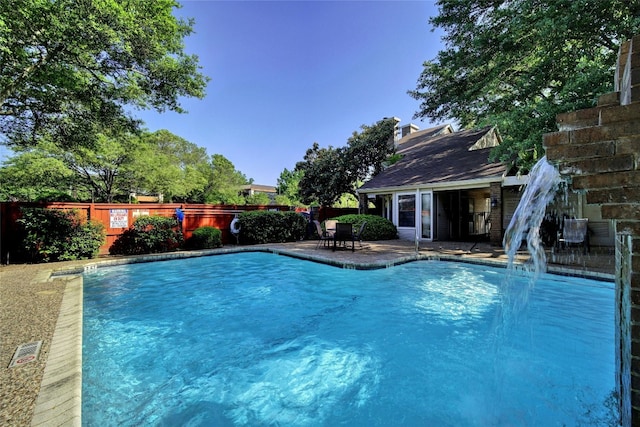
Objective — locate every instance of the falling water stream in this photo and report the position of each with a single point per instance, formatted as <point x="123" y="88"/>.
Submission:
<point x="544" y="180"/>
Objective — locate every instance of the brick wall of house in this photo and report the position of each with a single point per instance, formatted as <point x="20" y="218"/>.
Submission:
<point x="599" y="148"/>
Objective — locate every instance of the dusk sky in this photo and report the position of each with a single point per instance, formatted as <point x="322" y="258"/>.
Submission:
<point x="286" y="74"/>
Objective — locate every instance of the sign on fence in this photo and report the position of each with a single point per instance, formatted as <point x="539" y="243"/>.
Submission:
<point x="118" y="218"/>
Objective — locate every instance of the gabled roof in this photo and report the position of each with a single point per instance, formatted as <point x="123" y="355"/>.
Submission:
<point x="430" y="158"/>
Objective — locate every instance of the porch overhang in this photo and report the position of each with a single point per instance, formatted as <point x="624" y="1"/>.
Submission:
<point x="433" y="186"/>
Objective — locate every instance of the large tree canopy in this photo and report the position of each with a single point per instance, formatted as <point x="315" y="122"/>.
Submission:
<point x="69" y="69"/>
<point x="169" y="165"/>
<point x="118" y="164"/>
<point x="328" y="173"/>
<point x="36" y="175"/>
<point x="518" y="63"/>
<point x="288" y="187"/>
<point x="224" y="182"/>
<point x="104" y="168"/>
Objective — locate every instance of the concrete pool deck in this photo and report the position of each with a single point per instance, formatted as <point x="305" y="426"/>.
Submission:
<point x="43" y="302"/>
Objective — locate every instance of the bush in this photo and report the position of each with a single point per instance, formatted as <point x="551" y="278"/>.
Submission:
<point x="205" y="238"/>
<point x="149" y="234"/>
<point x="271" y="227"/>
<point x="56" y="235"/>
<point x="377" y="228"/>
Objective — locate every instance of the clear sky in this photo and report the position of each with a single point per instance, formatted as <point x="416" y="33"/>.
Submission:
<point x="286" y="74"/>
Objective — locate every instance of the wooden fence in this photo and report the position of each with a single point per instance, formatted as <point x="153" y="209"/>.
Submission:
<point x="117" y="217"/>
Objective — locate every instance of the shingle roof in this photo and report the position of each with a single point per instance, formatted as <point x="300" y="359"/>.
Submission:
<point x="428" y="159"/>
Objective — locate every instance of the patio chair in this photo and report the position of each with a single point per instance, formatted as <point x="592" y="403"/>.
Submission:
<point x="575" y="232"/>
<point x="330" y="225"/>
<point x="344" y="233"/>
<point x="358" y="235"/>
<point x="323" y="236"/>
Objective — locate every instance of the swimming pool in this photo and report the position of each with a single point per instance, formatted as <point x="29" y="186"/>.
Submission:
<point x="262" y="339"/>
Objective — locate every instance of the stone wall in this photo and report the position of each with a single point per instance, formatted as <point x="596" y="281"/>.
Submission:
<point x="599" y="150"/>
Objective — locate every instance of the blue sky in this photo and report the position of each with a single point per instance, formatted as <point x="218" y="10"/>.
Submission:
<point x="286" y="74"/>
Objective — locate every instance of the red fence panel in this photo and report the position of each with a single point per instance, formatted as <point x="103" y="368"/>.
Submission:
<point x="117" y="217"/>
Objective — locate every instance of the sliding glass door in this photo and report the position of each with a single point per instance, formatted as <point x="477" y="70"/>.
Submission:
<point x="425" y="214"/>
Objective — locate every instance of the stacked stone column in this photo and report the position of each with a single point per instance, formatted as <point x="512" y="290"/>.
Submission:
<point x="598" y="150"/>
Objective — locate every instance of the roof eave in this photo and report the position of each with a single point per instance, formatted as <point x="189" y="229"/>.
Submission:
<point x="451" y="185"/>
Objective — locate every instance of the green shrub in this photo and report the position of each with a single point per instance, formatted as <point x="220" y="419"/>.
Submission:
<point x="377" y="228"/>
<point x="56" y="235"/>
<point x="271" y="227"/>
<point x="205" y="238"/>
<point x="149" y="234"/>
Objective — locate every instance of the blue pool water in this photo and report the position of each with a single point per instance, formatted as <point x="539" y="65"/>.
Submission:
<point x="261" y="339"/>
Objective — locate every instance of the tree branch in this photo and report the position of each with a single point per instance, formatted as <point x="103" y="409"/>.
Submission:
<point x="44" y="59"/>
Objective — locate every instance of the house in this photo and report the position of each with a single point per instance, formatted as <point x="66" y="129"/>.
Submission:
<point x="251" y="189"/>
<point x="444" y="187"/>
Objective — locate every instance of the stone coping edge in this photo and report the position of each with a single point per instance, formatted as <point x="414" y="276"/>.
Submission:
<point x="562" y="271"/>
<point x="59" y="401"/>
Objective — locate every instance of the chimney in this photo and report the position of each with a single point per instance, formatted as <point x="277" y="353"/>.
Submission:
<point x="409" y="129"/>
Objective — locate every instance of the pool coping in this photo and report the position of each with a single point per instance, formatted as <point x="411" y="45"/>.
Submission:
<point x="59" y="401"/>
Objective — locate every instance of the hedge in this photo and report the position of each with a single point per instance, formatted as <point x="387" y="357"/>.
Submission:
<point x="377" y="228"/>
<point x="205" y="238"/>
<point x="258" y="227"/>
<point x="149" y="234"/>
<point x="55" y="235"/>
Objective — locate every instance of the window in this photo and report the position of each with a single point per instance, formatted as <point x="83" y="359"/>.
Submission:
<point x="407" y="210"/>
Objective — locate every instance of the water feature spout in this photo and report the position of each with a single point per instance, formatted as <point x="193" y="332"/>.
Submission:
<point x="544" y="180"/>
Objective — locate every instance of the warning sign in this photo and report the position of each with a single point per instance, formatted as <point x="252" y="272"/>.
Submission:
<point x="25" y="360"/>
<point x="25" y="353"/>
<point x="118" y="218"/>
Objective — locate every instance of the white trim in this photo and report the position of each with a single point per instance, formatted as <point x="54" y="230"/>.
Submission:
<point x="517" y="180"/>
<point x="396" y="211"/>
<point x="408" y="232"/>
<point x="452" y="185"/>
<point x="419" y="214"/>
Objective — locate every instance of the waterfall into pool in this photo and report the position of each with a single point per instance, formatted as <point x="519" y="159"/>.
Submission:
<point x="544" y="180"/>
<point x="544" y="183"/>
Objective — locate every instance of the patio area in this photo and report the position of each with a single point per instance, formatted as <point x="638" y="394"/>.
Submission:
<point x="36" y="302"/>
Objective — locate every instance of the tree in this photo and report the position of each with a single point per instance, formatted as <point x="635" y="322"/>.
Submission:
<point x="328" y="173"/>
<point x="288" y="187"/>
<point x="369" y="149"/>
<point x="116" y="164"/>
<point x="261" y="199"/>
<point x="47" y="172"/>
<point x="518" y="63"/>
<point x="104" y="168"/>
<point x="224" y="182"/>
<point x="324" y="175"/>
<point x="34" y="174"/>
<point x="70" y="69"/>
<point x="169" y="165"/>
